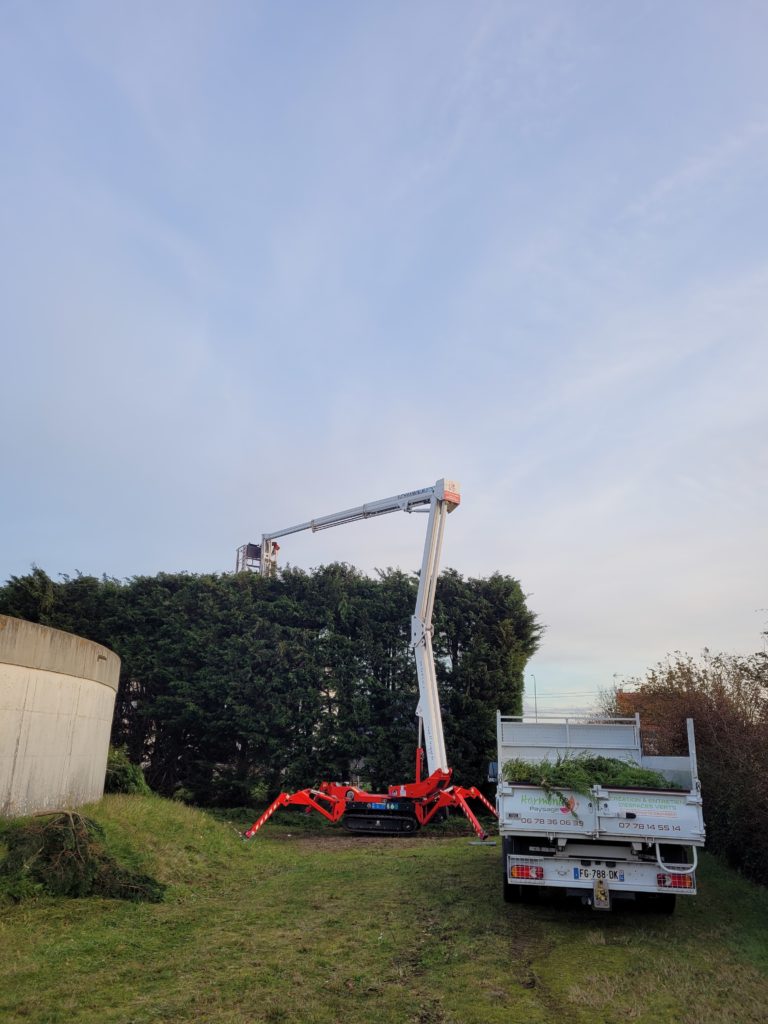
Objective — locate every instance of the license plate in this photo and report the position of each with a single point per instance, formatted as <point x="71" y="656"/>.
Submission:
<point x="603" y="874"/>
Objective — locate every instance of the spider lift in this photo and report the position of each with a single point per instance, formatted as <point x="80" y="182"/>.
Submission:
<point x="406" y="807"/>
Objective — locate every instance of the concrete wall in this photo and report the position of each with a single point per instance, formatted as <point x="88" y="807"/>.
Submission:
<point x="57" y="697"/>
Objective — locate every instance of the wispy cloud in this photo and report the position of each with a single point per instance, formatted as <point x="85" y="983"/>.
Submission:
<point x="257" y="268"/>
<point x="713" y="165"/>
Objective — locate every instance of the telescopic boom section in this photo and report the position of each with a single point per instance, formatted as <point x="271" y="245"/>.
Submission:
<point x="445" y="491"/>
<point x="440" y="499"/>
<point x="421" y="632"/>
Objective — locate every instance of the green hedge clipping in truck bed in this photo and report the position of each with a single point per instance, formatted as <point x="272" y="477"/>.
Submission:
<point x="580" y="772"/>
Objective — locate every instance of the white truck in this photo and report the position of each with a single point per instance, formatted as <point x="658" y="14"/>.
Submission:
<point x="610" y="842"/>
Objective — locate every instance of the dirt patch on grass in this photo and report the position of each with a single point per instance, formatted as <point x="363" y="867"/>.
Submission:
<point x="341" y="840"/>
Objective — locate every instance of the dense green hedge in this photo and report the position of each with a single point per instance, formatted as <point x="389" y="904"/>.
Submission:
<point x="236" y="682"/>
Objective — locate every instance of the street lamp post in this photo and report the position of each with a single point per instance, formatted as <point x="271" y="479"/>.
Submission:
<point x="535" y="701"/>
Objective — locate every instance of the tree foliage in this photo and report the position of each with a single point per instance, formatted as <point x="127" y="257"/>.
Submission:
<point x="235" y="682"/>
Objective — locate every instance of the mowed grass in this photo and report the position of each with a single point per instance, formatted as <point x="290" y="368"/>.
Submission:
<point x="312" y="925"/>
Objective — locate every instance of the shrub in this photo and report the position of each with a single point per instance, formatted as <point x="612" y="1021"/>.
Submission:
<point x="123" y="776"/>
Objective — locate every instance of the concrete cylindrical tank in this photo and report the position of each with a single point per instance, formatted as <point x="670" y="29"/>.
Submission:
<point x="57" y="698"/>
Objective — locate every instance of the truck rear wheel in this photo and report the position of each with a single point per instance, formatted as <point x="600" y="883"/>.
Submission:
<point x="665" y="902"/>
<point x="511" y="892"/>
<point x="661" y="903"/>
<point x="515" y="893"/>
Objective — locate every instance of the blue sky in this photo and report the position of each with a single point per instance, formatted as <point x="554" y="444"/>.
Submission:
<point x="261" y="262"/>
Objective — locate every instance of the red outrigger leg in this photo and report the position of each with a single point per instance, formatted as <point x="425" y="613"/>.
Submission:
<point x="457" y="796"/>
<point x="304" y="797"/>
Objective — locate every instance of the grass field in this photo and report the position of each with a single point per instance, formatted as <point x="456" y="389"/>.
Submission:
<point x="307" y="924"/>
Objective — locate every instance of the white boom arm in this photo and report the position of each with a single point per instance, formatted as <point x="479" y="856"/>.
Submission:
<point x="442" y="498"/>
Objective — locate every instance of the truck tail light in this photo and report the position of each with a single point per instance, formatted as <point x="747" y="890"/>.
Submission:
<point x="526" y="871"/>
<point x="674" y="881"/>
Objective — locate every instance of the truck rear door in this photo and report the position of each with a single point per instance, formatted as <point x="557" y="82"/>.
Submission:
<point x="649" y="815"/>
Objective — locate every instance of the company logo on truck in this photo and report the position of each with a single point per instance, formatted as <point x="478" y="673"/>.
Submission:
<point x="542" y="802"/>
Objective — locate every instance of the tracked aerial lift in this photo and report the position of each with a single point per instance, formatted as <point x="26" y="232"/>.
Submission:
<point x="406" y="807"/>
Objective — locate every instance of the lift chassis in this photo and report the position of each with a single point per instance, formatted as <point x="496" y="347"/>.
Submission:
<point x="404" y="808"/>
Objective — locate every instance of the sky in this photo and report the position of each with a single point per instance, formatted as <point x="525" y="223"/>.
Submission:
<point x="260" y="262"/>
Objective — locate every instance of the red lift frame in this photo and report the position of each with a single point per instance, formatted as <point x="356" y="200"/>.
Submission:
<point x="429" y="796"/>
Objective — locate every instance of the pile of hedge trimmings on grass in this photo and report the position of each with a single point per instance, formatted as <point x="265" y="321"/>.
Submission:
<point x="580" y="772"/>
<point x="64" y="854"/>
